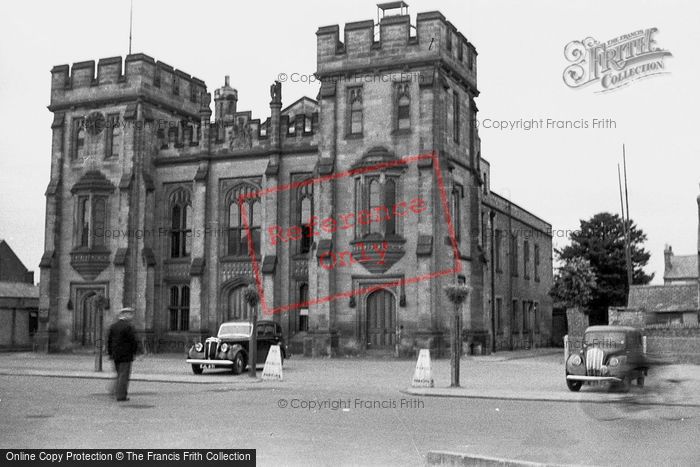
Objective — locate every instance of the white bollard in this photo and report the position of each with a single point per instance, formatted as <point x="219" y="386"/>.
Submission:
<point x="273" y="365"/>
<point x="423" y="376"/>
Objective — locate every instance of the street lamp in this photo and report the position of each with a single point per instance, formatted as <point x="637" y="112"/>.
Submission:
<point x="457" y="294"/>
<point x="100" y="303"/>
<point x="250" y="294"/>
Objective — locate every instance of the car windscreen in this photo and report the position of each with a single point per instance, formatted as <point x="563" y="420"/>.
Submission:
<point x="605" y="339"/>
<point x="234" y="329"/>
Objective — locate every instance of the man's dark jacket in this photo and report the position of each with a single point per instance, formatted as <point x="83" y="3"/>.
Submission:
<point x="121" y="342"/>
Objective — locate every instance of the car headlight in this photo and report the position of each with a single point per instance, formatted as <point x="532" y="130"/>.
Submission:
<point x="198" y="347"/>
<point x="224" y="347"/>
<point x="613" y="362"/>
<point x="575" y="360"/>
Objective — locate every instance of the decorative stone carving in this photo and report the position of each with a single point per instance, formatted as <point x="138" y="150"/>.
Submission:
<point x="89" y="264"/>
<point x="367" y="252"/>
<point x="241" y="136"/>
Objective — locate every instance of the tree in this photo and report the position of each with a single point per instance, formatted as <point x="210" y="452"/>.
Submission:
<point x="601" y="240"/>
<point x="250" y="295"/>
<point x="574" y="284"/>
<point x="456" y="294"/>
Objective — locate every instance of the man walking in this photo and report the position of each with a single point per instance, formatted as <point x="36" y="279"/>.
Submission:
<point x="121" y="346"/>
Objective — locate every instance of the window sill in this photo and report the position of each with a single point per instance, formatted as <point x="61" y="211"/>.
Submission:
<point x="354" y="136"/>
<point x="181" y="260"/>
<point x="238" y="258"/>
<point x="90" y="249"/>
<point x="402" y="132"/>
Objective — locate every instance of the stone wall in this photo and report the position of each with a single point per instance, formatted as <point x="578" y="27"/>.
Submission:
<point x="680" y="344"/>
<point x="674" y="344"/>
<point x="626" y="317"/>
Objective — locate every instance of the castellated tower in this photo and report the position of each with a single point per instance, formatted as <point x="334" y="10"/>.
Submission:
<point x="108" y="123"/>
<point x="391" y="90"/>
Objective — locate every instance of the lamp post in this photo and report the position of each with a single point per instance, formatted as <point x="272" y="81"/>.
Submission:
<point x="100" y="303"/>
<point x="457" y="294"/>
<point x="250" y="294"/>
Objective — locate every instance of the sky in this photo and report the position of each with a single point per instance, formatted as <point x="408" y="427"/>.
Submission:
<point x="561" y="175"/>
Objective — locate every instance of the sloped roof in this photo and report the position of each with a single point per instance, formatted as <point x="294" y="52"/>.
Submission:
<point x="303" y="105"/>
<point x="664" y="298"/>
<point x="18" y="290"/>
<point x="682" y="267"/>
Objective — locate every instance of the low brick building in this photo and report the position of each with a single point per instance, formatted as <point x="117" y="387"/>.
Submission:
<point x="154" y="205"/>
<point x="19" y="302"/>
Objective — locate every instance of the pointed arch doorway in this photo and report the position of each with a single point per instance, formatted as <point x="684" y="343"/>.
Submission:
<point x="381" y="320"/>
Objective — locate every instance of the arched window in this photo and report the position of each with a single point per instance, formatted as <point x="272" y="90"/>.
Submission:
<point x="389" y="202"/>
<point x="84" y="223"/>
<point x="180" y="225"/>
<point x="237" y="232"/>
<point x="403" y="107"/>
<point x="92" y="221"/>
<point x="113" y="136"/>
<point x="303" y="211"/>
<point x="255" y="219"/>
<point x="80" y="141"/>
<point x="456" y="211"/>
<point x="98" y="217"/>
<point x="355" y="99"/>
<point x="234" y="228"/>
<point x="305" y="243"/>
<point x="179" y="308"/>
<point x="238" y="308"/>
<point x="375" y="203"/>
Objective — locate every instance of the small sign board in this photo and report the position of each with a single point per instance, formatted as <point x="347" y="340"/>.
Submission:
<point x="423" y="376"/>
<point x="273" y="365"/>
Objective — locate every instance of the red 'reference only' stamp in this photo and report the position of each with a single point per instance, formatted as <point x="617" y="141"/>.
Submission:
<point x="370" y="252"/>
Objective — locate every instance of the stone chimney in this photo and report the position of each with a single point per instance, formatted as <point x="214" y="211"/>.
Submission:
<point x="668" y="254"/>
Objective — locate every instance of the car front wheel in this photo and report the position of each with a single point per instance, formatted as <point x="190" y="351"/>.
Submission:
<point x="197" y="369"/>
<point x="574" y="386"/>
<point x="238" y="364"/>
<point x="624" y="385"/>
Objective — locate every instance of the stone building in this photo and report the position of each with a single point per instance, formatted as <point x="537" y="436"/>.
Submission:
<point x="679" y="269"/>
<point x="153" y="204"/>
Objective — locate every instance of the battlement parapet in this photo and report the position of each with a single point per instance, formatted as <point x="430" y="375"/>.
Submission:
<point x="394" y="42"/>
<point x="136" y="75"/>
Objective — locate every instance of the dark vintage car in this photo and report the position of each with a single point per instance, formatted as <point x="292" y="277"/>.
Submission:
<point x="229" y="349"/>
<point x="607" y="354"/>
